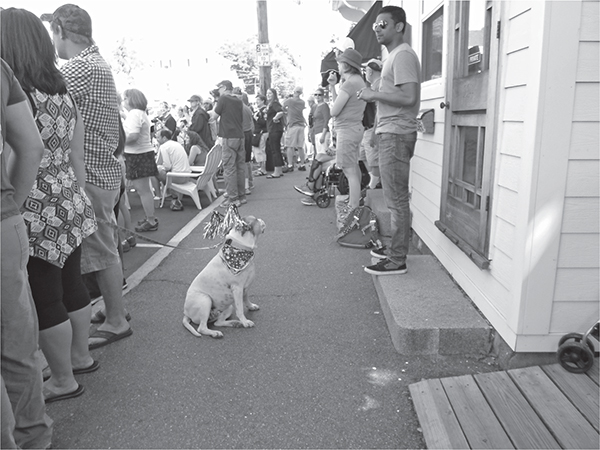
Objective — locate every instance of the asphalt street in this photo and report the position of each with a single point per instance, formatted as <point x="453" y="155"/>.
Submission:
<point x="318" y="370"/>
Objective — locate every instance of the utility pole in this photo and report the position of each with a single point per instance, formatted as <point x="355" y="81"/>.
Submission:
<point x="263" y="49"/>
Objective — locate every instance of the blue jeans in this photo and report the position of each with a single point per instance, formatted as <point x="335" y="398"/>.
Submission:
<point x="395" y="152"/>
<point x="24" y="419"/>
<point x="234" y="167"/>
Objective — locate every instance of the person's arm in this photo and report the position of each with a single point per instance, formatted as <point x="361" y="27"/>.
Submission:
<point x="194" y="151"/>
<point x="401" y="95"/>
<point x="27" y="149"/>
<point x="77" y="154"/>
<point x="339" y="103"/>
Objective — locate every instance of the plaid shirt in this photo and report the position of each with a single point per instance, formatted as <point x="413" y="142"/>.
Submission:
<point x="90" y="82"/>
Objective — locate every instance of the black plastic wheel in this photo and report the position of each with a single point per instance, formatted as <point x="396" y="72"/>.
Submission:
<point x="576" y="337"/>
<point x="323" y="201"/>
<point x="575" y="357"/>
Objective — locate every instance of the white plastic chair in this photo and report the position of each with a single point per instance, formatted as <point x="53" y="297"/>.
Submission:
<point x="204" y="181"/>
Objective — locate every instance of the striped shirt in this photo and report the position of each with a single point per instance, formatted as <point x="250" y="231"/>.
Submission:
<point x="90" y="82"/>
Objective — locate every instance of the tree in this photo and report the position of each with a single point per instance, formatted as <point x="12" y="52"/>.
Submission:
<point x="285" y="70"/>
<point x="124" y="61"/>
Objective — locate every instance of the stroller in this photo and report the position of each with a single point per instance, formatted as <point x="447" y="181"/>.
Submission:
<point x="333" y="177"/>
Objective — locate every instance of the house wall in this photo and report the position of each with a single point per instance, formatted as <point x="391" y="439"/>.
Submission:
<point x="577" y="279"/>
<point x="543" y="279"/>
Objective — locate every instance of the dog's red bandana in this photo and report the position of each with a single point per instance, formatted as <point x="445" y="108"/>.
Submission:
<point x="236" y="259"/>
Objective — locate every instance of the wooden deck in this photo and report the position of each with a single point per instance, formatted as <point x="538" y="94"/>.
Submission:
<point x="536" y="407"/>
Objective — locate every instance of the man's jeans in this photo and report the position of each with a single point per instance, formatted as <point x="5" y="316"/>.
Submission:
<point x="234" y="166"/>
<point x="395" y="152"/>
<point x="23" y="410"/>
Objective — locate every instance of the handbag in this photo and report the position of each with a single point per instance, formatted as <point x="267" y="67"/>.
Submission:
<point x="360" y="229"/>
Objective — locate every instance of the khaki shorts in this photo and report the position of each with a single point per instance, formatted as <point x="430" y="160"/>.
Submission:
<point x="348" y="144"/>
<point x="99" y="250"/>
<point x="294" y="137"/>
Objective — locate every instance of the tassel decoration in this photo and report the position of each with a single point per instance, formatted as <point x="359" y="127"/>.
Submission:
<point x="212" y="228"/>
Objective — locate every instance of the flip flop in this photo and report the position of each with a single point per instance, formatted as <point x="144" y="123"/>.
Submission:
<point x="89" y="369"/>
<point x="76" y="393"/>
<point x="109" y="337"/>
<point x="99" y="317"/>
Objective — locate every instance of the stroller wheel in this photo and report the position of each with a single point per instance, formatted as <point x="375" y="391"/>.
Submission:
<point x="576" y="337"/>
<point x="323" y="200"/>
<point x="575" y="357"/>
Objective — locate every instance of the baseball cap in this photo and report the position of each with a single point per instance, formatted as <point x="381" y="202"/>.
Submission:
<point x="71" y="18"/>
<point x="195" y="98"/>
<point x="226" y="84"/>
<point x="374" y="64"/>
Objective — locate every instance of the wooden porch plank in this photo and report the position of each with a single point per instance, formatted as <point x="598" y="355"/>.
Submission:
<point x="438" y="422"/>
<point x="594" y="373"/>
<point x="567" y="424"/>
<point x="476" y="418"/>
<point x="578" y="388"/>
<point x="519" y="420"/>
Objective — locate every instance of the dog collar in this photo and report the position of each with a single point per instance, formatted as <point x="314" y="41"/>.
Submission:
<point x="236" y="259"/>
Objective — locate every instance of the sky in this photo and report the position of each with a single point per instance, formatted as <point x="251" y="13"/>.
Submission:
<point x="180" y="28"/>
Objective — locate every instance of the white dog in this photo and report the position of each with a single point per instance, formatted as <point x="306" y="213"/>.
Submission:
<point x="222" y="287"/>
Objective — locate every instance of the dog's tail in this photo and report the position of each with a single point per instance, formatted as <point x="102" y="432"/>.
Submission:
<point x="187" y="323"/>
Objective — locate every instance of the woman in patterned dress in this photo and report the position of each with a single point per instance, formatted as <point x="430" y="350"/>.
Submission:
<point x="57" y="212"/>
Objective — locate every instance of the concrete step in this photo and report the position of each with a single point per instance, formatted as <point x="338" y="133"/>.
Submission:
<point x="426" y="312"/>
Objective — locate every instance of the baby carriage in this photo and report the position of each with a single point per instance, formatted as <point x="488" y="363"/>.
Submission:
<point x="576" y="351"/>
<point x="333" y="178"/>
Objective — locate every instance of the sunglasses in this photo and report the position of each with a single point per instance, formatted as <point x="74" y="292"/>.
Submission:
<point x="318" y="95"/>
<point x="381" y="24"/>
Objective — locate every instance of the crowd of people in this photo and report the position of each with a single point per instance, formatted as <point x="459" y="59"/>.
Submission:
<point x="72" y="148"/>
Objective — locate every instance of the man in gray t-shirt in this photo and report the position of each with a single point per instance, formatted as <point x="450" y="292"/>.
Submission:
<point x="398" y="102"/>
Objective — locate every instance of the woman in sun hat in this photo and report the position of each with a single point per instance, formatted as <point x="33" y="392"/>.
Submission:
<point x="347" y="112"/>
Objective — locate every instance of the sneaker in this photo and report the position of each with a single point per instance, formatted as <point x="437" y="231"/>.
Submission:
<point x="302" y="168"/>
<point x="131" y="239"/>
<point x="308" y="202"/>
<point x="147" y="226"/>
<point x="379" y="253"/>
<point x="304" y="190"/>
<point x="176" y="205"/>
<point x="225" y="195"/>
<point x="243" y="201"/>
<point x="226" y="203"/>
<point x="139" y="222"/>
<point x="125" y="246"/>
<point x="288" y="169"/>
<point x="248" y="191"/>
<point x="386" y="267"/>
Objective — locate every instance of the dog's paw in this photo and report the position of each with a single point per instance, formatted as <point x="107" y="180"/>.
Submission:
<point x="247" y="324"/>
<point x="253" y="307"/>
<point x="216" y="335"/>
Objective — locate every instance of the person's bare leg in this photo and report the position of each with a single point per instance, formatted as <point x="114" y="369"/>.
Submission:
<point x="55" y="343"/>
<point x="80" y="324"/>
<point x="110" y="281"/>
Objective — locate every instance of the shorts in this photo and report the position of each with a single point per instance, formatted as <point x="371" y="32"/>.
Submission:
<point x="294" y="137"/>
<point x="371" y="154"/>
<point x="322" y="148"/>
<point x="99" y="250"/>
<point x="260" y="152"/>
<point x="348" y="144"/>
<point x="140" y="165"/>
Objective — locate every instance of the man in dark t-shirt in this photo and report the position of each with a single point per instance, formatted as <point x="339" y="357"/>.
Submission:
<point x="229" y="108"/>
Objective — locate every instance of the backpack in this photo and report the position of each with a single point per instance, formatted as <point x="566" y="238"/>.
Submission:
<point x="360" y="229"/>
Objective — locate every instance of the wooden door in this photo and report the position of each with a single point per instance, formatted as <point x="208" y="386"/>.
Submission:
<point x="468" y="140"/>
